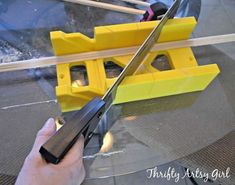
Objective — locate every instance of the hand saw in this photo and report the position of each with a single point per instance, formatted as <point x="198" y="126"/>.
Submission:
<point x="86" y="120"/>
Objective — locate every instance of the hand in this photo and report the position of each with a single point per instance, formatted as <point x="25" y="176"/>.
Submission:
<point x="37" y="171"/>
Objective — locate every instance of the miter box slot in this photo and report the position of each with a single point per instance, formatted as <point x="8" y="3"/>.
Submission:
<point x="161" y="62"/>
<point x="112" y="69"/>
<point x="79" y="77"/>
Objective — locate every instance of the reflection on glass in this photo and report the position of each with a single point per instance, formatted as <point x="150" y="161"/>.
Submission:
<point x="107" y="142"/>
<point x="130" y="118"/>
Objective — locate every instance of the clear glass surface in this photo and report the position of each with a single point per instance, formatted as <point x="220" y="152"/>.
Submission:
<point x="144" y="133"/>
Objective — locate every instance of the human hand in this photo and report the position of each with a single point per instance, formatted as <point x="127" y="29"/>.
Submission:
<point x="37" y="171"/>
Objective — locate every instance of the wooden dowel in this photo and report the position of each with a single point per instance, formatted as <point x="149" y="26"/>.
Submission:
<point x="137" y="2"/>
<point x="108" y="6"/>
<point x="49" y="61"/>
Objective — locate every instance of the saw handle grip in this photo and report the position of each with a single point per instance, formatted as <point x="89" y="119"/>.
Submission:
<point x="83" y="122"/>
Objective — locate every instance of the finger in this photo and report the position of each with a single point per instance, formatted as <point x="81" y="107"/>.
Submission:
<point x="44" y="133"/>
<point x="76" y="152"/>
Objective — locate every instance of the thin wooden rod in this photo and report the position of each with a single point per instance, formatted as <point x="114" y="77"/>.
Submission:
<point x="49" y="61"/>
<point x="108" y="6"/>
<point x="137" y="2"/>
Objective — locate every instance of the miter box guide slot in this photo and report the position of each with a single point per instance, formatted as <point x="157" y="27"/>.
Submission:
<point x="184" y="75"/>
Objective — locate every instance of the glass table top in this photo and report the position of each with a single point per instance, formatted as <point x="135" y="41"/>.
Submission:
<point x="145" y="133"/>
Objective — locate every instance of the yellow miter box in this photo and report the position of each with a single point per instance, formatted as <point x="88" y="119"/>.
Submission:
<point x="183" y="75"/>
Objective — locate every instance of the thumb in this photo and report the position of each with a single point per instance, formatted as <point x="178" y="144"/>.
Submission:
<point x="44" y="133"/>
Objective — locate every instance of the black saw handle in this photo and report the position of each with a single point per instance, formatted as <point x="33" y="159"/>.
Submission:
<point x="83" y="122"/>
